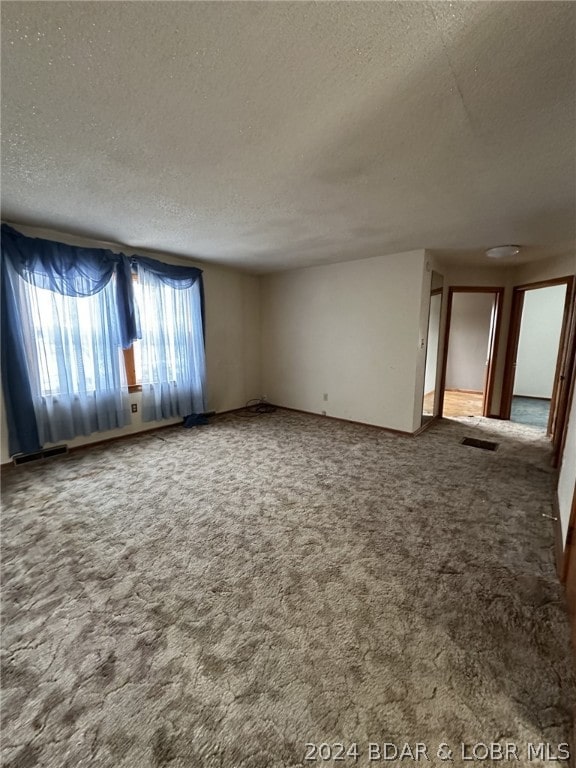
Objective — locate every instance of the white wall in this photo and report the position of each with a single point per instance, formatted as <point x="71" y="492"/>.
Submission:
<point x="545" y="269"/>
<point x="468" y="342"/>
<point x="567" y="477"/>
<point x="539" y="341"/>
<point x="351" y="331"/>
<point x="233" y="363"/>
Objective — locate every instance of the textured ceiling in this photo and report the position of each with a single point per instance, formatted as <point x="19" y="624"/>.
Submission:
<point x="267" y="135"/>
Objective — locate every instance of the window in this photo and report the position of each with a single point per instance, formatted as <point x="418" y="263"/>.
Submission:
<point x="169" y="358"/>
<point x="166" y="345"/>
<point x="67" y="312"/>
<point x="67" y="341"/>
<point x="71" y="347"/>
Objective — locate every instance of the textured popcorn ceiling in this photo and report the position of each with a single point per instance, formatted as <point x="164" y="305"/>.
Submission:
<point x="268" y="134"/>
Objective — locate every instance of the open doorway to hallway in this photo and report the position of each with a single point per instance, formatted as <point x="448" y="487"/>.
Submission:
<point x="537" y="356"/>
<point x="472" y="331"/>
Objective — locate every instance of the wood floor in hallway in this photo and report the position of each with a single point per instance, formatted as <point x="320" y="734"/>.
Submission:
<point x="457" y="403"/>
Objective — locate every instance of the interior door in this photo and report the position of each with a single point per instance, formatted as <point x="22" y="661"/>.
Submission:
<point x="491" y="354"/>
<point x="561" y="381"/>
<point x="566" y="379"/>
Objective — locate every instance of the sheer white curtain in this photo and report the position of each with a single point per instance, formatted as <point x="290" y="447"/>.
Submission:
<point x="171" y="350"/>
<point x="73" y="354"/>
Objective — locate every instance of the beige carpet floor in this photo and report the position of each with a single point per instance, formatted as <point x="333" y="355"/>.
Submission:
<point x="222" y="596"/>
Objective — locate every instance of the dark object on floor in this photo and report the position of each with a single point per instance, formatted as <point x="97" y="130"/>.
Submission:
<point x="530" y="410"/>
<point x="259" y="405"/>
<point x="195" y="420"/>
<point x="486" y="445"/>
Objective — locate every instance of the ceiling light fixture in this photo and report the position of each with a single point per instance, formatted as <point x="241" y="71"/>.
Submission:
<point x="502" y="251"/>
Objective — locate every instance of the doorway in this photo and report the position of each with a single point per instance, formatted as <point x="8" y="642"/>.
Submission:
<point x="534" y="379"/>
<point x="431" y="399"/>
<point x="472" y="332"/>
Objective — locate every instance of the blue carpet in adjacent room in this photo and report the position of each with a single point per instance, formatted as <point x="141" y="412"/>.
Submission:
<point x="530" y="410"/>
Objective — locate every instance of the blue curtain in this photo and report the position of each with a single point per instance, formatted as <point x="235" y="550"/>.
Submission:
<point x="171" y="349"/>
<point x="66" y="314"/>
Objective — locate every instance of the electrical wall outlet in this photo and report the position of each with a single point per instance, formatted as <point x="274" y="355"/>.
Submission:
<point x="325" y="397"/>
<point x="134" y="407"/>
<point x="323" y="413"/>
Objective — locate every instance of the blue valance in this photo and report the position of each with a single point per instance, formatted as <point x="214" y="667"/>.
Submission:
<point x="174" y="275"/>
<point x="58" y="267"/>
<point x="73" y="271"/>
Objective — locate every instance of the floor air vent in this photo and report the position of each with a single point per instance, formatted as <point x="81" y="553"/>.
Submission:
<point x="486" y="445"/>
<point x="47" y="453"/>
